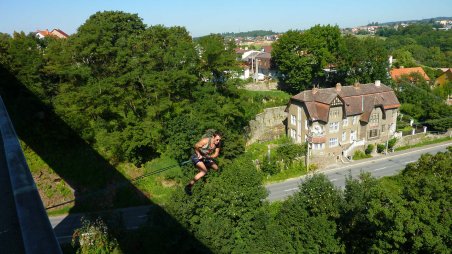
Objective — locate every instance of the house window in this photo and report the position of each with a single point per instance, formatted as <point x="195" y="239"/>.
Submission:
<point x="293" y="134"/>
<point x="373" y="121"/>
<point x="334" y="113"/>
<point x="318" y="146"/>
<point x="345" y="122"/>
<point x="383" y="128"/>
<point x="334" y="127"/>
<point x="293" y="120"/>
<point x="333" y="142"/>
<point x="344" y="136"/>
<point x="352" y="136"/>
<point x="373" y="133"/>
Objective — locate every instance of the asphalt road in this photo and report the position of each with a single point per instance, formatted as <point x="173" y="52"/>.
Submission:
<point x="385" y="165"/>
<point x="134" y="217"/>
<point x="131" y="218"/>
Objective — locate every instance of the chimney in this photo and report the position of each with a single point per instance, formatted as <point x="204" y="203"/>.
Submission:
<point x="338" y="87"/>
<point x="377" y="83"/>
<point x="314" y="90"/>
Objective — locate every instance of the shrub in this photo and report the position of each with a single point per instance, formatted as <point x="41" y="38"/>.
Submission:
<point x="94" y="237"/>
<point x="381" y="148"/>
<point x="358" y="154"/>
<point x="391" y="143"/>
<point x="369" y="149"/>
<point x="269" y="167"/>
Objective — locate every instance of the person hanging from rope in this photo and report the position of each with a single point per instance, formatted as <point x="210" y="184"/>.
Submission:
<point x="205" y="150"/>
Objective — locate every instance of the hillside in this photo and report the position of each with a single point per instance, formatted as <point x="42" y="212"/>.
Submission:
<point x="429" y="20"/>
<point x="254" y="33"/>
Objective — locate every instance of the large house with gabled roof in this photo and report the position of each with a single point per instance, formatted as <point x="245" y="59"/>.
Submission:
<point x="335" y="121"/>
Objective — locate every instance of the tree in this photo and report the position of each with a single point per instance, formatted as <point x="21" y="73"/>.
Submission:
<point x="301" y="56"/>
<point x="356" y="231"/>
<point x="363" y="60"/>
<point x="403" y="58"/>
<point x="217" y="59"/>
<point x="26" y="63"/>
<point x="101" y="43"/>
<point x="308" y="217"/>
<point x="221" y="212"/>
<point x="5" y="40"/>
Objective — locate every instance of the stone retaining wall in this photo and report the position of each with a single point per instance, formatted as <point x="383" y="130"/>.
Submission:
<point x="268" y="125"/>
<point x="261" y="86"/>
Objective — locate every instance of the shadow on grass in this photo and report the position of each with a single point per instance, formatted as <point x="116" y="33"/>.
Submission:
<point x="79" y="165"/>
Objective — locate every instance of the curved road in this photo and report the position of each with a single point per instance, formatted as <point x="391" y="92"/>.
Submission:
<point x="134" y="217"/>
<point x="378" y="166"/>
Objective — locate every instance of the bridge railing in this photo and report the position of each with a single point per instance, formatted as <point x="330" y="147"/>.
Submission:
<point x="35" y="231"/>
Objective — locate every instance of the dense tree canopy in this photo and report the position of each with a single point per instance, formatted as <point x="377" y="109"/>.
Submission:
<point x="135" y="92"/>
<point x="301" y="56"/>
<point x="321" y="56"/>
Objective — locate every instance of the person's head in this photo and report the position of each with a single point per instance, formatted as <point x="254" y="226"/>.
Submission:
<point x="217" y="137"/>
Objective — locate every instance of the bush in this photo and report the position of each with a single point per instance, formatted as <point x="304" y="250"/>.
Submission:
<point x="391" y="143"/>
<point x="369" y="149"/>
<point x="381" y="148"/>
<point x="94" y="237"/>
<point x="269" y="167"/>
<point x="358" y="154"/>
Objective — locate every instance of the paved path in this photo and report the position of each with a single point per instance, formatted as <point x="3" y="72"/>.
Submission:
<point x="384" y="165"/>
<point x="133" y="217"/>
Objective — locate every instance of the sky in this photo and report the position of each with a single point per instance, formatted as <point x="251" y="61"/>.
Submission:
<point x="211" y="16"/>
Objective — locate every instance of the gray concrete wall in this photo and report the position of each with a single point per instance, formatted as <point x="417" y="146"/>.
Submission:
<point x="416" y="138"/>
<point x="268" y="125"/>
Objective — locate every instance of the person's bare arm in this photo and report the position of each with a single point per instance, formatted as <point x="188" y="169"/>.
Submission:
<point x="199" y="145"/>
<point x="216" y="153"/>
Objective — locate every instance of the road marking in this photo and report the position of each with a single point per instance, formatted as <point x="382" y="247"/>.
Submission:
<point x="291" y="189"/>
<point x="379" y="168"/>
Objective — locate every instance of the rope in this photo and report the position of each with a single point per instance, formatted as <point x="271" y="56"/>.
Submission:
<point x="136" y="179"/>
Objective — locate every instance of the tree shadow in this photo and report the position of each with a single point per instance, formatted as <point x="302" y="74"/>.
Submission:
<point x="96" y="183"/>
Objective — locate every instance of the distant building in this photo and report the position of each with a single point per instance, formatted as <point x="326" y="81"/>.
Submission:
<point x="396" y="74"/>
<point x="55" y="32"/>
<point x="445" y="77"/>
<point x="336" y="121"/>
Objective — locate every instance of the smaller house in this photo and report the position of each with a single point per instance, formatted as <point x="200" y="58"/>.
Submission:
<point x="445" y="77"/>
<point x="259" y="63"/>
<point x="267" y="49"/>
<point x="396" y="74"/>
<point x="55" y="32"/>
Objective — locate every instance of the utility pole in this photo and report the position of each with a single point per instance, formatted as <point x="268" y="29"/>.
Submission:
<point x="308" y="141"/>
<point x="307" y="159"/>
<point x="256" y="70"/>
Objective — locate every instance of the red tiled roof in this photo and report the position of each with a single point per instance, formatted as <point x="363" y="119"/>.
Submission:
<point x="358" y="100"/>
<point x="267" y="49"/>
<point x="59" y="32"/>
<point x="43" y="32"/>
<point x="239" y="50"/>
<point x="397" y="73"/>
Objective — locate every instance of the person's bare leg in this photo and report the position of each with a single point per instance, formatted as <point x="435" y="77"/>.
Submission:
<point x="202" y="172"/>
<point x="214" y="166"/>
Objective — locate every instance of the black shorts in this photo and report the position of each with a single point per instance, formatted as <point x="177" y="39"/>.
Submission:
<point x="206" y="161"/>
